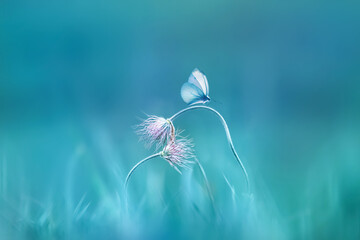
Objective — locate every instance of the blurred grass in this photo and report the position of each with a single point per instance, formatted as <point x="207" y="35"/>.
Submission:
<point x="86" y="198"/>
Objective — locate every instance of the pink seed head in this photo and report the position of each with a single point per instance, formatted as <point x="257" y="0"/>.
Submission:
<point x="178" y="152"/>
<point x="155" y="130"/>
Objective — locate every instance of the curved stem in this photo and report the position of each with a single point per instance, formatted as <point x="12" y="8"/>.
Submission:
<point x="226" y="131"/>
<point x="137" y="165"/>
<point x="208" y="188"/>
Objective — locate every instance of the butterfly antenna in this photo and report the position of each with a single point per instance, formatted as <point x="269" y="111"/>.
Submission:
<point x="217" y="102"/>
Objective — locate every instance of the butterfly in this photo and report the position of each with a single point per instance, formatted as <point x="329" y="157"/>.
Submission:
<point x="196" y="89"/>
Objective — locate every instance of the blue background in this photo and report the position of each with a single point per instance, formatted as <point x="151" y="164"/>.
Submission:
<point x="76" y="75"/>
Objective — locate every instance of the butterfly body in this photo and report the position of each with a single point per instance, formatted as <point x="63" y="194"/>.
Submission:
<point x="196" y="89"/>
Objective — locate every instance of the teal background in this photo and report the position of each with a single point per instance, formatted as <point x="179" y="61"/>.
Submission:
<point x="76" y="75"/>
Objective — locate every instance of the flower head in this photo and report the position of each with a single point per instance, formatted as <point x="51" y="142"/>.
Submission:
<point x="178" y="152"/>
<point x="156" y="130"/>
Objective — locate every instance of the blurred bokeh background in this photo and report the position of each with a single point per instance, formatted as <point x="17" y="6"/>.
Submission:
<point x="75" y="76"/>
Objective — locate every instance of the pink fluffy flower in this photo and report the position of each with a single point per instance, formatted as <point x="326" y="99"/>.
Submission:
<point x="155" y="130"/>
<point x="178" y="152"/>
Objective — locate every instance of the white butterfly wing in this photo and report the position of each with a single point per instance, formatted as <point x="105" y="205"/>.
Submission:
<point x="191" y="94"/>
<point x="199" y="79"/>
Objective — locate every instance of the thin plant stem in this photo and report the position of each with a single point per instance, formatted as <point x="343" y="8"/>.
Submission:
<point x="208" y="188"/>
<point x="137" y="165"/>
<point x="226" y="131"/>
<point x="132" y="171"/>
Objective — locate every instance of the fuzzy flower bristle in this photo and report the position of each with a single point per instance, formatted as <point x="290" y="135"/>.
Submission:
<point x="155" y="130"/>
<point x="178" y="152"/>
